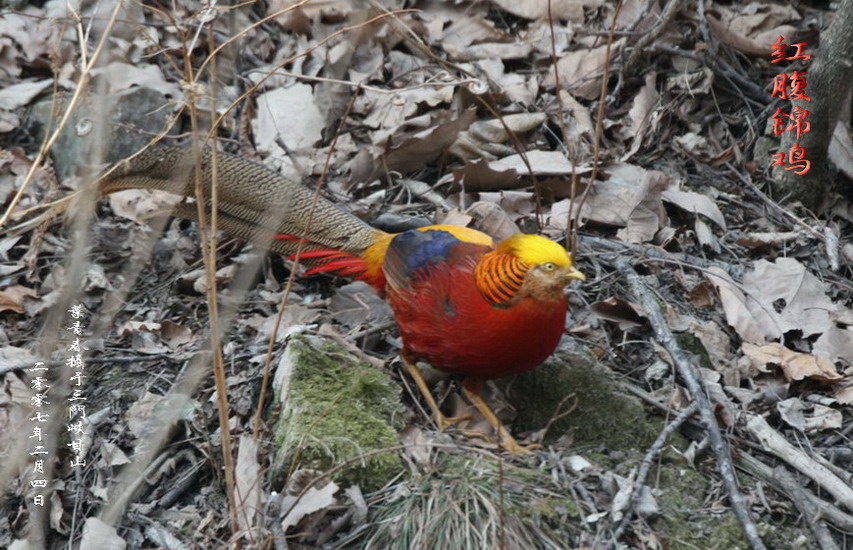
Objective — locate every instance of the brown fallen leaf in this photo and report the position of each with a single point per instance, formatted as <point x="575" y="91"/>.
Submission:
<point x="417" y="445"/>
<point x="12" y="298"/>
<point x="138" y="204"/>
<point x="794" y="364"/>
<point x="486" y="138"/>
<point x="750" y="323"/>
<point x="759" y="46"/>
<point x="641" y="115"/>
<point x="571" y="10"/>
<point x="289" y="115"/>
<point x="701" y="294"/>
<point x="493" y="219"/>
<point x="844" y="394"/>
<point x="174" y="334"/>
<point x="581" y="70"/>
<point x="248" y="475"/>
<point x="805" y="305"/>
<point x="808" y="418"/>
<point x="630" y="198"/>
<point x="312" y="500"/>
<point x="647" y="215"/>
<point x="696" y="203"/>
<point x="463" y="30"/>
<point x="625" y="314"/>
<point x="413" y="150"/>
<point x="479" y="176"/>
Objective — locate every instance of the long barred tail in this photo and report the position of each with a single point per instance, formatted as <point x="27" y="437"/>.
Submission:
<point x="255" y="204"/>
<point x="259" y="200"/>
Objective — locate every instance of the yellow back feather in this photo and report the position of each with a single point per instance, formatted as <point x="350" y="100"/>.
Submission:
<point x="535" y="250"/>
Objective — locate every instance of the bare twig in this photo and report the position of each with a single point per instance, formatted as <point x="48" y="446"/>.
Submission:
<point x="646" y="465"/>
<point x="646" y="39"/>
<point x="575" y="214"/>
<point x="207" y="234"/>
<point x="693" y="382"/>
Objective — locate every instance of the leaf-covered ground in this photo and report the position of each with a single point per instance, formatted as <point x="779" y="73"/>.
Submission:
<point x="488" y="114"/>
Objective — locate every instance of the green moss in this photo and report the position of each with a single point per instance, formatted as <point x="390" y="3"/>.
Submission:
<point x="691" y="344"/>
<point x="602" y="414"/>
<point x="687" y="522"/>
<point x="336" y="409"/>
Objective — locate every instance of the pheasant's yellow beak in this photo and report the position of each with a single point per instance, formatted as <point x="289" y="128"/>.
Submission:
<point x="573" y="273"/>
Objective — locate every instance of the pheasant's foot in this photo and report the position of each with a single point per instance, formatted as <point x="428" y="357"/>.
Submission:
<point x="505" y="439"/>
<point x="443" y="422"/>
<point x="513" y="446"/>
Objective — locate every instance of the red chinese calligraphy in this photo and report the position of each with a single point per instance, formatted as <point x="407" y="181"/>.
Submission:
<point x="798" y="86"/>
<point x="796" y="158"/>
<point x="778" y="50"/>
<point x="799" y="53"/>
<point x="799" y="123"/>
<point x="779" y="123"/>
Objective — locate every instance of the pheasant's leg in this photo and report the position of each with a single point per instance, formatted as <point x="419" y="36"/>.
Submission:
<point x="441" y="420"/>
<point x="471" y="388"/>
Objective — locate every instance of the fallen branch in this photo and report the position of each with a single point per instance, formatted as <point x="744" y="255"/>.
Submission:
<point x="774" y="443"/>
<point x="762" y="471"/>
<point x="811" y="514"/>
<point x="657" y="253"/>
<point x="691" y="379"/>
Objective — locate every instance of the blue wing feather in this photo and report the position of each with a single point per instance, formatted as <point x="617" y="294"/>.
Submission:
<point x="413" y="253"/>
<point x="420" y="249"/>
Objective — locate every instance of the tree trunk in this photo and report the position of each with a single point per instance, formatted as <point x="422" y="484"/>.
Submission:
<point x="830" y="80"/>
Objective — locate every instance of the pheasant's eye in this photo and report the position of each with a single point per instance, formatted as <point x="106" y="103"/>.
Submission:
<point x="549" y="266"/>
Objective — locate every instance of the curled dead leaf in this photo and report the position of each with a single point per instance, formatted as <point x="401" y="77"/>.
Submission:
<point x="794" y="364"/>
<point x="493" y="219"/>
<point x="12" y="298"/>
<point x="619" y="311"/>
<point x="808" y="418"/>
<point x="756" y="239"/>
<point x="696" y="203"/>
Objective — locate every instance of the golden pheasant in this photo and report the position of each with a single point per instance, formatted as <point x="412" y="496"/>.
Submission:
<point x="464" y="303"/>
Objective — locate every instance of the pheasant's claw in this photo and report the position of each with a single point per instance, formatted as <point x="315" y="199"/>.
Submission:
<point x="445" y="422"/>
<point x="514" y="447"/>
<point x="504" y="437"/>
<point x="442" y="421"/>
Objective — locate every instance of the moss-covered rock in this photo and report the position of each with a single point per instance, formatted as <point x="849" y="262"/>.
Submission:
<point x="129" y="117"/>
<point x="602" y="413"/>
<point x="336" y="409"/>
